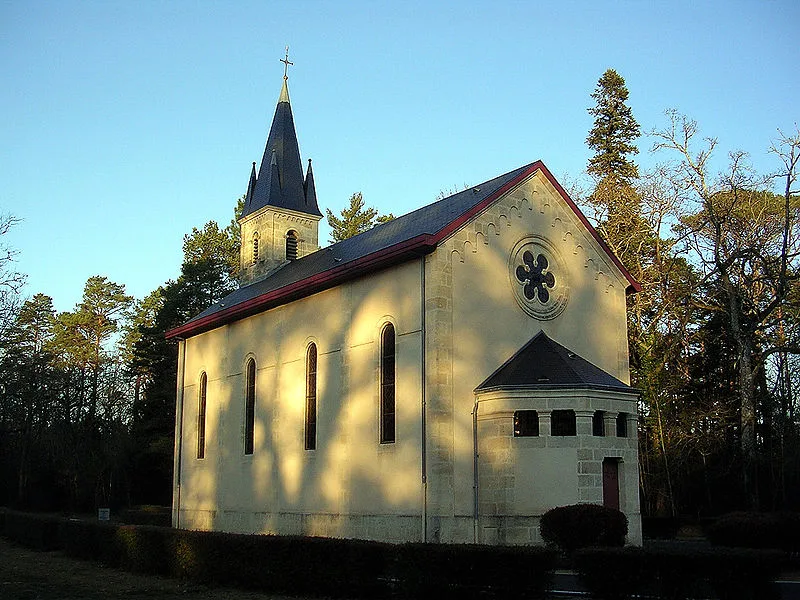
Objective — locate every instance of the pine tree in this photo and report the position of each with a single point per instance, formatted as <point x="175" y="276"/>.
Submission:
<point x="615" y="197"/>
<point x="354" y="219"/>
<point x="615" y="131"/>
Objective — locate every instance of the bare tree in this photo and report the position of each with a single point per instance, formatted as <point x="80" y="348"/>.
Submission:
<point x="11" y="281"/>
<point x="746" y="240"/>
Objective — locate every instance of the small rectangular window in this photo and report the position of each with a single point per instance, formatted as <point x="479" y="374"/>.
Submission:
<point x="526" y="423"/>
<point x="562" y="423"/>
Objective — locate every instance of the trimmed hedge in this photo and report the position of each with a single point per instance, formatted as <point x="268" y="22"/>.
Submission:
<point x="147" y="515"/>
<point x="472" y="571"/>
<point x="679" y="573"/>
<point x="757" y="530"/>
<point x="36" y="531"/>
<point x="301" y="566"/>
<point x="281" y="564"/>
<point x="583" y="525"/>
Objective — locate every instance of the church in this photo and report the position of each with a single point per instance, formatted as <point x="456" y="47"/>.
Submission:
<point x="446" y="377"/>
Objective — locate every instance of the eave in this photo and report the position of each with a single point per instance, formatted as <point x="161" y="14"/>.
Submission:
<point x="319" y="282"/>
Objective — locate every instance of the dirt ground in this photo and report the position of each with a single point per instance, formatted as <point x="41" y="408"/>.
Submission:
<point x="29" y="575"/>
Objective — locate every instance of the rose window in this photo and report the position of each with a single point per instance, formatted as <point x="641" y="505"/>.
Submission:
<point x="538" y="277"/>
<point x="535" y="277"/>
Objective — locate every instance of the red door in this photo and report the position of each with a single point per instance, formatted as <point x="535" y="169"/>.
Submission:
<point x="611" y="483"/>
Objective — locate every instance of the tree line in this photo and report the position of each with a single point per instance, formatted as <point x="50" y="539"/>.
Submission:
<point x="87" y="396"/>
<point x="713" y="333"/>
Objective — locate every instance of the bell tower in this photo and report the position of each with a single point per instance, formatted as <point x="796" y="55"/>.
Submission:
<point x="280" y="220"/>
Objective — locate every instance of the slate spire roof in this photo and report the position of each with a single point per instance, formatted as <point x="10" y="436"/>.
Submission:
<point x="545" y="364"/>
<point x="280" y="182"/>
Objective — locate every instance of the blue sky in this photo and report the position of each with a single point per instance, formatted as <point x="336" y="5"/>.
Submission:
<point x="125" y="124"/>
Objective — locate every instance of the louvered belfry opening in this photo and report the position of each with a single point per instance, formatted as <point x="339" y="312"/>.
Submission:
<point x="291" y="245"/>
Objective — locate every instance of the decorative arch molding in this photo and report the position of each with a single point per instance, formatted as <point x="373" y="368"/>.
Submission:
<point x="293" y="218"/>
<point x="498" y="219"/>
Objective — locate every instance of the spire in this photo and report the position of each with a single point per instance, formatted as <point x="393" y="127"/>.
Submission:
<point x="309" y="189"/>
<point x="248" y="198"/>
<point x="280" y="182"/>
<point x="284" y="97"/>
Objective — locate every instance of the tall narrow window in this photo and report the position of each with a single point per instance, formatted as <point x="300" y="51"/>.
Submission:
<point x="201" y="417"/>
<point x="599" y="423"/>
<point x="387" y="385"/>
<point x="311" y="397"/>
<point x="250" y="406"/>
<point x="622" y="425"/>
<point x="291" y="245"/>
<point x="255" y="248"/>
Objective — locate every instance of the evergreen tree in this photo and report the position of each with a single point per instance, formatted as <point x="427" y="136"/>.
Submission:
<point x="211" y="258"/>
<point x="615" y="197"/>
<point x="354" y="219"/>
<point x="26" y="390"/>
<point x="614" y="132"/>
<point x="218" y="250"/>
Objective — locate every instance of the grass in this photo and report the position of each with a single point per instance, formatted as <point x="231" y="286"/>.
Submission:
<point x="29" y="575"/>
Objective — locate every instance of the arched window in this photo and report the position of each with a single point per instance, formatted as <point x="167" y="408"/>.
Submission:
<point x="311" y="397"/>
<point x="291" y="245"/>
<point x="250" y="406"/>
<point x="201" y="416"/>
<point x="255" y="248"/>
<point x="387" y="385"/>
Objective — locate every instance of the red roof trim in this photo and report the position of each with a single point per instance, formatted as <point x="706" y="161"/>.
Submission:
<point x="417" y="246"/>
<point x="633" y="285"/>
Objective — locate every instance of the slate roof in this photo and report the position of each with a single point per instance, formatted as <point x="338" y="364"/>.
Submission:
<point x="545" y="364"/>
<point x="406" y="237"/>
<point x="280" y="181"/>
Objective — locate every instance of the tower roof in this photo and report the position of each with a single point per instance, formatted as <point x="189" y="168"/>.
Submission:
<point x="280" y="181"/>
<point x="545" y="364"/>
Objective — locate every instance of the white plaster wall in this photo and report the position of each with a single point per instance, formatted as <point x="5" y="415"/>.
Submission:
<point x="487" y="326"/>
<point x="350" y="474"/>
<point x="523" y="477"/>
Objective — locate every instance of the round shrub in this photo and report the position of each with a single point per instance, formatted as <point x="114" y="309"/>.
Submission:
<point x="583" y="525"/>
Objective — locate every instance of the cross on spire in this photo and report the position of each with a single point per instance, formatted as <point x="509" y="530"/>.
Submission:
<point x="286" y="62"/>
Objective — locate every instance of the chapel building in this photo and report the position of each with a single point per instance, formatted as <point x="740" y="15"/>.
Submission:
<point x="448" y="376"/>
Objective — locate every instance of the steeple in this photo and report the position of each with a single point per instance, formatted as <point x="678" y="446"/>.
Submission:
<point x="280" y="181"/>
<point x="279" y="222"/>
